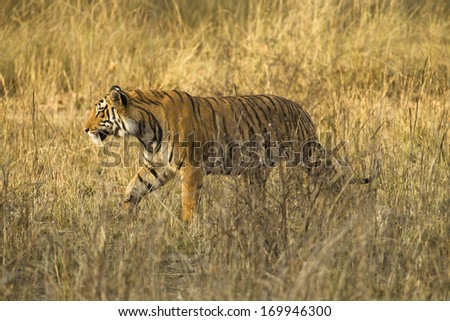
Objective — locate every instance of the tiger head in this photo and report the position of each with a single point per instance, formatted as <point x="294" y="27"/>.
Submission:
<point x="108" y="116"/>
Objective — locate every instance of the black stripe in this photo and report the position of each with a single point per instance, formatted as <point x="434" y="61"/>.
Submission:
<point x="113" y="111"/>
<point x="158" y="133"/>
<point x="191" y="100"/>
<point x="179" y="95"/>
<point x="254" y="100"/>
<point x="199" y="107"/>
<point x="170" y="97"/>
<point x="263" y="128"/>
<point x="238" y="115"/>
<point x="249" y="103"/>
<point x="209" y="105"/>
<point x="157" y="93"/>
<point x="146" y="115"/>
<point x="282" y="103"/>
<point x="273" y="113"/>
<point x="228" y="150"/>
<point x="146" y="120"/>
<point x="292" y="109"/>
<point x="270" y="100"/>
<point x="213" y="113"/>
<point x="251" y="129"/>
<point x="148" y="185"/>
<point x="283" y="107"/>
<point x="267" y="130"/>
<point x="215" y="100"/>
<point x="154" y="173"/>
<point x="279" y="111"/>
<point x="139" y="93"/>
<point x="155" y="127"/>
<point x="146" y="145"/>
<point x="231" y="100"/>
<point x="145" y="99"/>
<point x="215" y="118"/>
<point x="246" y="111"/>
<point x="147" y="162"/>
<point x="141" y="130"/>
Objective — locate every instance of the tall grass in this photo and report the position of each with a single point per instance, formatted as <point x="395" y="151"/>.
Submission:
<point x="375" y="74"/>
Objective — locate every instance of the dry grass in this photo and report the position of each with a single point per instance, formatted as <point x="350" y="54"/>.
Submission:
<point x="374" y="74"/>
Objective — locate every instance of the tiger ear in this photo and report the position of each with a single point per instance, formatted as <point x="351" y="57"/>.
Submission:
<point x="118" y="96"/>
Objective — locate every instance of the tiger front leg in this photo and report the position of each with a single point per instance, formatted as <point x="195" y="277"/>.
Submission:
<point x="147" y="180"/>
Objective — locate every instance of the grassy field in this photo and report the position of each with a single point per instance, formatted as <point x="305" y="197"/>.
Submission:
<point x="375" y="75"/>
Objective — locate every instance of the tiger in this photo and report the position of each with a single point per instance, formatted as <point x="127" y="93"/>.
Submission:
<point x="197" y="136"/>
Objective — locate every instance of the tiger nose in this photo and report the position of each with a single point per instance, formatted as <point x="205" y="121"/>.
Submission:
<point x="86" y="130"/>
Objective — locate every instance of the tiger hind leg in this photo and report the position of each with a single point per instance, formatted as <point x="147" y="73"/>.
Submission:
<point x="257" y="183"/>
<point x="191" y="184"/>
